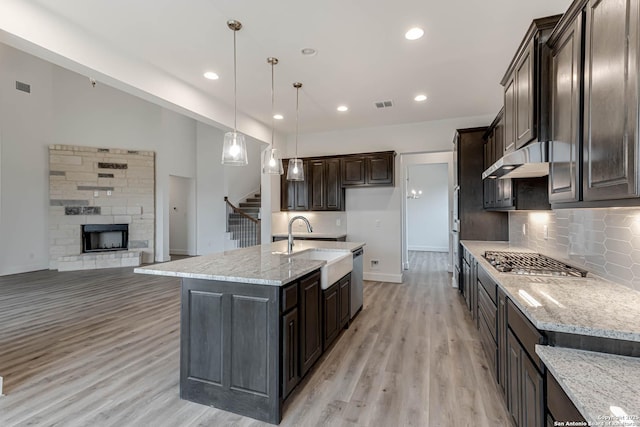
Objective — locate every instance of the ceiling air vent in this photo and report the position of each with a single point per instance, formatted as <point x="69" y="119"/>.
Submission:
<point x="23" y="87"/>
<point x="384" y="104"/>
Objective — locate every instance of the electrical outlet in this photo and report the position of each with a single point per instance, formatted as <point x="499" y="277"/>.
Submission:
<point x="109" y="192"/>
<point x="377" y="223"/>
<point x="338" y="222"/>
<point x="96" y="194"/>
<point x="374" y="263"/>
<point x="545" y="232"/>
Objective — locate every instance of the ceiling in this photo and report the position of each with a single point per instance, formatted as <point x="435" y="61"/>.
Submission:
<point x="362" y="55"/>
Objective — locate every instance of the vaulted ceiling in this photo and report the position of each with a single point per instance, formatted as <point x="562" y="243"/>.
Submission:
<point x="362" y="54"/>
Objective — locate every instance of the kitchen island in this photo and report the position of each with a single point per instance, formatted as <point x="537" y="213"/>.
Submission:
<point x="250" y="324"/>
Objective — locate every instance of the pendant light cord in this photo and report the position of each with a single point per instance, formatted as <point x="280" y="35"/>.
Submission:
<point x="235" y="86"/>
<point x="297" y="116"/>
<point x="273" y="122"/>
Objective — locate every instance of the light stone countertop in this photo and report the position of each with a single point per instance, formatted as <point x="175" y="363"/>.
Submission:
<point x="266" y="264"/>
<point x="313" y="235"/>
<point x="584" y="306"/>
<point x="597" y="383"/>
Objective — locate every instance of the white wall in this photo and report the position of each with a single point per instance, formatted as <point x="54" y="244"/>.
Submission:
<point x="243" y="181"/>
<point x="368" y="205"/>
<point x="428" y="216"/>
<point x="63" y="108"/>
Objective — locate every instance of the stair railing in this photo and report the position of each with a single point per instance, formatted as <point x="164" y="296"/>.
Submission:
<point x="243" y="227"/>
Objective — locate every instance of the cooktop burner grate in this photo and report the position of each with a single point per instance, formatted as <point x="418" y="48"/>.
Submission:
<point x="532" y="264"/>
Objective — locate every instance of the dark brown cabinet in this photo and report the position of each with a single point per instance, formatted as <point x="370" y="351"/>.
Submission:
<point x="566" y="83"/>
<point x="294" y="195"/>
<point x="290" y="354"/>
<point x="335" y="308"/>
<point x="310" y="322"/>
<point x="498" y="193"/>
<point x="514" y="377"/>
<point x="502" y="340"/>
<point x="325" y="185"/>
<point x="368" y="170"/>
<point x="560" y="408"/>
<point x="611" y="103"/>
<point x="525" y="84"/>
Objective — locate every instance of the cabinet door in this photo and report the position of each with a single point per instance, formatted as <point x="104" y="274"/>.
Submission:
<point x="352" y="171"/>
<point x="611" y="100"/>
<point x="344" y="300"/>
<point x="525" y="101"/>
<point x="514" y="376"/>
<point x="331" y="311"/>
<point x="287" y="190"/>
<point x="466" y="277"/>
<point x="317" y="189"/>
<point x="532" y="408"/>
<point x="333" y="185"/>
<point x="301" y="190"/>
<point x="502" y="341"/>
<point x="379" y="169"/>
<point x="566" y="72"/>
<point x="510" y="116"/>
<point x="290" y="356"/>
<point x="310" y="322"/>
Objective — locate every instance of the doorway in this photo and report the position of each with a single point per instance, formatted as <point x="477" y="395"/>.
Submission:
<point x="182" y="217"/>
<point x="427" y="204"/>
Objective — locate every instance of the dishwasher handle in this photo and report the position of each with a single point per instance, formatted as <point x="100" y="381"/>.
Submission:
<point x="358" y="252"/>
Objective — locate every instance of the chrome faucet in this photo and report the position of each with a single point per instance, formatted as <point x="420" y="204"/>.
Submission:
<point x="290" y="237"/>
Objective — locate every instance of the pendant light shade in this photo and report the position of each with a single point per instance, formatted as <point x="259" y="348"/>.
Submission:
<point x="271" y="158"/>
<point x="234" y="149"/>
<point x="295" y="172"/>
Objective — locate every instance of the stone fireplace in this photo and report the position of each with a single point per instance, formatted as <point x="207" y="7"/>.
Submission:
<point x="101" y="207"/>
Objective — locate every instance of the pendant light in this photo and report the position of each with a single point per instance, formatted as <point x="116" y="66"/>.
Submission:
<point x="295" y="172"/>
<point x="234" y="149"/>
<point x="272" y="160"/>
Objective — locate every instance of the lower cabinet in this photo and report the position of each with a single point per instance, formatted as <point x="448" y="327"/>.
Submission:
<point x="290" y="353"/>
<point x="335" y="309"/>
<point x="310" y="322"/>
<point x="560" y="409"/>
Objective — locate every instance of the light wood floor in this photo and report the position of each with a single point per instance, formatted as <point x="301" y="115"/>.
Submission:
<point x="100" y="348"/>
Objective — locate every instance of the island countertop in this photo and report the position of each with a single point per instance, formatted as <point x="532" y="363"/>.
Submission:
<point x="583" y="306"/>
<point x="265" y="264"/>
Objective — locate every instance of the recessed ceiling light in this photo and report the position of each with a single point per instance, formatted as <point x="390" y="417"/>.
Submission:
<point x="278" y="116"/>
<point x="308" y="51"/>
<point x="211" y="75"/>
<point x="420" y="98"/>
<point x="414" y="33"/>
<point x="342" y="108"/>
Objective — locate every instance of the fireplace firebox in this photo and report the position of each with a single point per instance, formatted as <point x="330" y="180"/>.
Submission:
<point x="105" y="237"/>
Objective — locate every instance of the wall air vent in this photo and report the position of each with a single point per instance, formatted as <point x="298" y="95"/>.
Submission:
<point x="384" y="104"/>
<point x="23" y="87"/>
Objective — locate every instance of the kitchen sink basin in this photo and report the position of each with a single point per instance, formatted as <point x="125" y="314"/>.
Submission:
<point x="339" y="263"/>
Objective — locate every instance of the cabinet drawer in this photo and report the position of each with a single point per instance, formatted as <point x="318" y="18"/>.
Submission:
<point x="488" y="284"/>
<point x="489" y="345"/>
<point x="289" y="297"/>
<point x="559" y="404"/>
<point x="526" y="333"/>
<point x="488" y="310"/>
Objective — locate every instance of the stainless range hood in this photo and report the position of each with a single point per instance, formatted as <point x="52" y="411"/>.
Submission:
<point x="528" y="162"/>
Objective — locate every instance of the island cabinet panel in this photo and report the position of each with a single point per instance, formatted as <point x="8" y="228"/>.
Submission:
<point x="345" y="300"/>
<point x="330" y="302"/>
<point x="611" y="103"/>
<point x="290" y="353"/>
<point x="310" y="322"/>
<point x="230" y="347"/>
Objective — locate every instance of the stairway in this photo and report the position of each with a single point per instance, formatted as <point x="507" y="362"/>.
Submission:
<point x="241" y="231"/>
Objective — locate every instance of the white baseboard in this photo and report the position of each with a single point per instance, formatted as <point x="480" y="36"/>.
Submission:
<point x="428" y="248"/>
<point x="17" y="269"/>
<point x="383" y="277"/>
<point x="179" y="252"/>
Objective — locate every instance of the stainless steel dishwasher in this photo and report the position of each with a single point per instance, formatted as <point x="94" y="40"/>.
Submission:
<point x="356" y="282"/>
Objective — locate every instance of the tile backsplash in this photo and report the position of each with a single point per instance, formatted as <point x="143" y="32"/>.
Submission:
<point x="603" y="241"/>
<point x="322" y="222"/>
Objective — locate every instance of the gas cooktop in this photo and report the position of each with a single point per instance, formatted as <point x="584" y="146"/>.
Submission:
<point x="531" y="264"/>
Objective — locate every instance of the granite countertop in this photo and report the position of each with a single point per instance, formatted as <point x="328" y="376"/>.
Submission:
<point x="314" y="235"/>
<point x="603" y="387"/>
<point x="266" y="264"/>
<point x="584" y="306"/>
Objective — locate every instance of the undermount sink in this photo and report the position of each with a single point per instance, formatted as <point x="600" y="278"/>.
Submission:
<point x="339" y="263"/>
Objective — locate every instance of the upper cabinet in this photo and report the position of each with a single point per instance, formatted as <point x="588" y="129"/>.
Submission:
<point x="367" y="170"/>
<point x="611" y="100"/>
<point x="327" y="177"/>
<point x="566" y="83"/>
<point x="593" y="145"/>
<point x="525" y="97"/>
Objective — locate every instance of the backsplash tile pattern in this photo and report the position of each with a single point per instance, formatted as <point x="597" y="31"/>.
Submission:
<point x="604" y="241"/>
